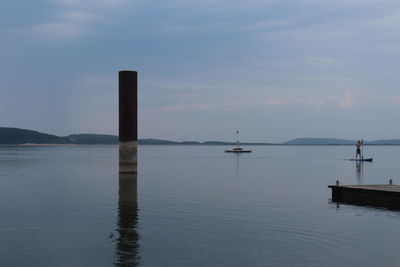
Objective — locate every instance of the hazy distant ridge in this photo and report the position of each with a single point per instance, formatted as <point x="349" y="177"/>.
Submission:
<point x="334" y="141"/>
<point x="89" y="139"/>
<point x="15" y="136"/>
<point x="385" y="142"/>
<point x="319" y="141"/>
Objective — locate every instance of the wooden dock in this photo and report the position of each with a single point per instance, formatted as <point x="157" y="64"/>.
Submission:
<point x="380" y="195"/>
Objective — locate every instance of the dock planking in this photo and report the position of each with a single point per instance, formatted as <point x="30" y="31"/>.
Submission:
<point x="379" y="195"/>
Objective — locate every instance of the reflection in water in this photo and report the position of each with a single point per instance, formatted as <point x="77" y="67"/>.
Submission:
<point x="127" y="246"/>
<point x="360" y="172"/>
<point x="237" y="165"/>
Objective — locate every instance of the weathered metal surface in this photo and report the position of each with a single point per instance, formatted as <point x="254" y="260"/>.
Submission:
<point x="127" y="105"/>
<point x="128" y="122"/>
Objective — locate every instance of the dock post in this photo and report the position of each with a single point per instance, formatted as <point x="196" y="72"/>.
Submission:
<point x="127" y="121"/>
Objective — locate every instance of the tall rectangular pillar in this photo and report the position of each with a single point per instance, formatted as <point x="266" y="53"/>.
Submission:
<point x="127" y="121"/>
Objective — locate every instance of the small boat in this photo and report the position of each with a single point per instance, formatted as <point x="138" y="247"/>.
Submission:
<point x="363" y="159"/>
<point x="237" y="149"/>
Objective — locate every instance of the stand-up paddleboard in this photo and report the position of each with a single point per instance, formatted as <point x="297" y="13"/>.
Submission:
<point x="362" y="159"/>
<point x="362" y="154"/>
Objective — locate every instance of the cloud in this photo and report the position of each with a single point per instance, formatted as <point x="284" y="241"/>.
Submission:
<point x="303" y="101"/>
<point x="281" y="101"/>
<point x="102" y="100"/>
<point x="347" y="101"/>
<point x="220" y="4"/>
<point x="392" y="21"/>
<point x="344" y="3"/>
<point x="396" y="99"/>
<point x="98" y="83"/>
<point x="90" y="3"/>
<point x="322" y="101"/>
<point x="337" y="82"/>
<point x="275" y="102"/>
<point x="78" y="16"/>
<point x="75" y="21"/>
<point x="58" y="30"/>
<point x="186" y="107"/>
<point x="317" y="93"/>
<point x="184" y="27"/>
<point x="321" y="60"/>
<point x="69" y="24"/>
<point x="265" y="24"/>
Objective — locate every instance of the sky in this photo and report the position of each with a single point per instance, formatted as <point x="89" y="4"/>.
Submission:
<point x="272" y="69"/>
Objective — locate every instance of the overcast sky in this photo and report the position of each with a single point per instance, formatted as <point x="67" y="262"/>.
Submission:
<point x="272" y="69"/>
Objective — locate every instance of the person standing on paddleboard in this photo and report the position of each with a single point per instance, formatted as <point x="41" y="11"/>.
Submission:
<point x="358" y="149"/>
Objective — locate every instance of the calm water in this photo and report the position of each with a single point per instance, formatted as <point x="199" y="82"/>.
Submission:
<point x="193" y="206"/>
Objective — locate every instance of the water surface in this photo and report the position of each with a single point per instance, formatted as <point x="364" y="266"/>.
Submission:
<point x="193" y="206"/>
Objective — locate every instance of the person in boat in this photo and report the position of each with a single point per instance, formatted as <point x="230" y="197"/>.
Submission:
<point x="358" y="149"/>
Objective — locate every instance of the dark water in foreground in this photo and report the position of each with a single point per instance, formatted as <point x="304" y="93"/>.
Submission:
<point x="193" y="206"/>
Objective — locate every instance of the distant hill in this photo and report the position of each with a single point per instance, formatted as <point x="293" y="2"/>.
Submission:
<point x="385" y="142"/>
<point x="156" y="142"/>
<point x="334" y="141"/>
<point x="91" y="139"/>
<point x="319" y="141"/>
<point x="219" y="143"/>
<point x="14" y="136"/>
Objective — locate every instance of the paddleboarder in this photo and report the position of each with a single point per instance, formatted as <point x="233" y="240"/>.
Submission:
<point x="358" y="149"/>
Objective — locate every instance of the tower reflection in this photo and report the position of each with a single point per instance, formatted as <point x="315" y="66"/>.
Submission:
<point x="127" y="243"/>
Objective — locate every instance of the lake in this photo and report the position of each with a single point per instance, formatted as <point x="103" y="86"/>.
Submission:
<point x="193" y="206"/>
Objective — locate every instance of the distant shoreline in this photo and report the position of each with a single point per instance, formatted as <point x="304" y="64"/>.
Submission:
<point x="180" y="144"/>
<point x="24" y="137"/>
<point x="34" y="144"/>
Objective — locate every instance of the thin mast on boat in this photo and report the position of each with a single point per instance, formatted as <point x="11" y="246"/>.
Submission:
<point x="237" y="138"/>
